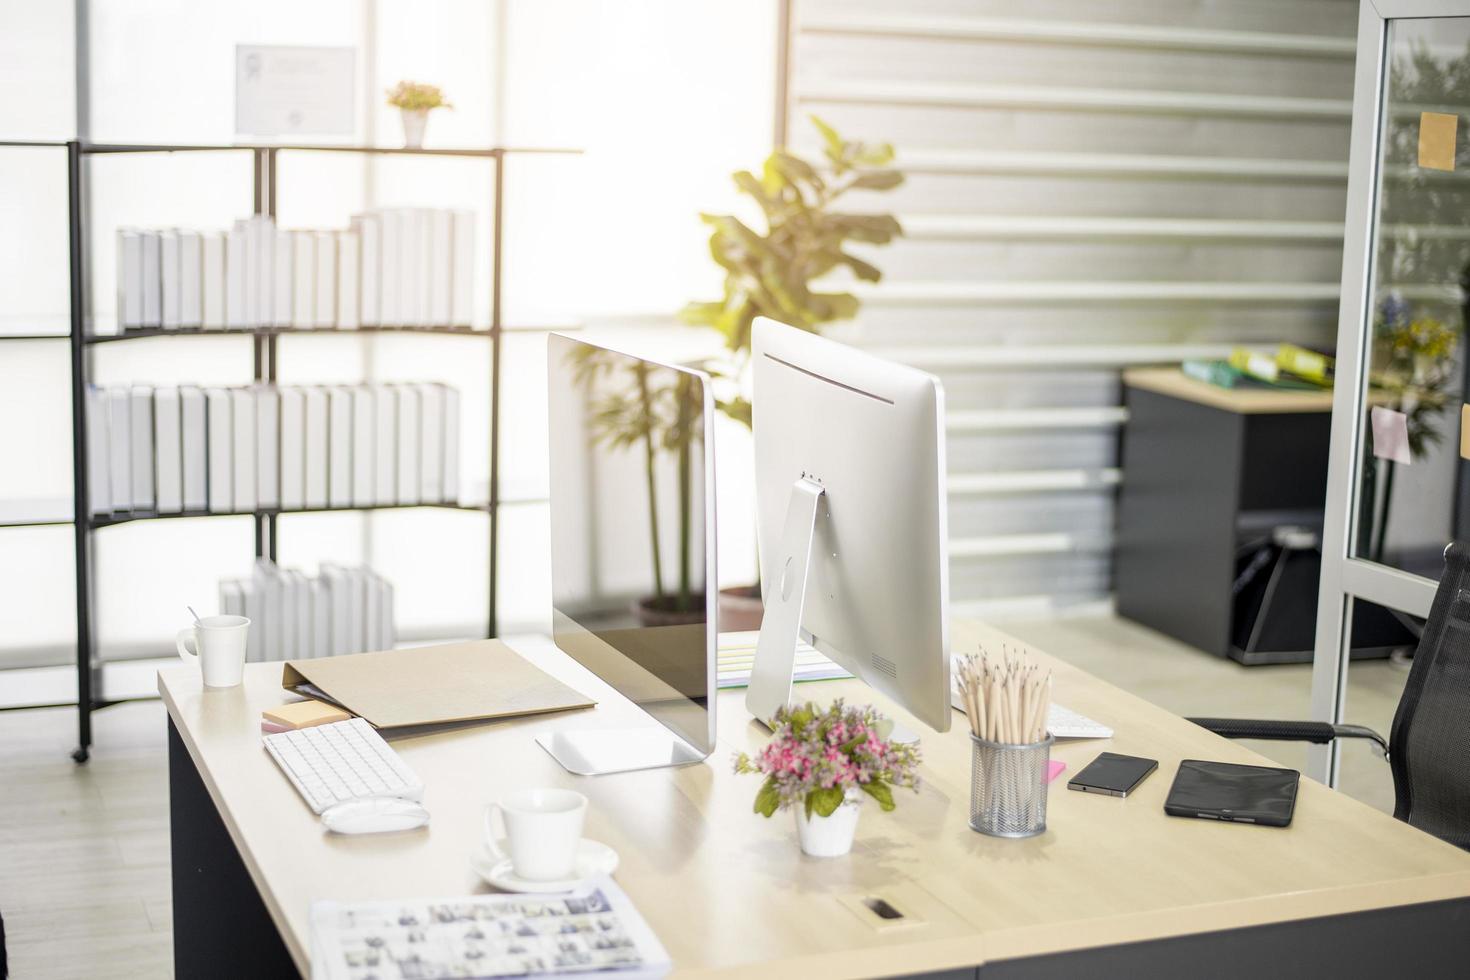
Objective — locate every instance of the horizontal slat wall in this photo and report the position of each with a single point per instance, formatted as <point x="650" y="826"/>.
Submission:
<point x="1090" y="186"/>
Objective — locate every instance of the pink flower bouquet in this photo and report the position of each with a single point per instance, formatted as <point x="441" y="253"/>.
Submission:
<point x="815" y="756"/>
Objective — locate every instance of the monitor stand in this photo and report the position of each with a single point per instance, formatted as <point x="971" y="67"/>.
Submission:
<point x="603" y="751"/>
<point x="775" y="649"/>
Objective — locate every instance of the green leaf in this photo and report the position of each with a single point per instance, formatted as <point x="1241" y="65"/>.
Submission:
<point x="767" y="798"/>
<point x="829" y="135"/>
<point x="863" y="270"/>
<point x="795" y="169"/>
<point x="701" y="314"/>
<point x="824" y="802"/>
<point x="737" y="408"/>
<point x="881" y="792"/>
<point x="878" y="180"/>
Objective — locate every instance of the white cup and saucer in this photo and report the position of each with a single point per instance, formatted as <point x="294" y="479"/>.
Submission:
<point x="541" y="847"/>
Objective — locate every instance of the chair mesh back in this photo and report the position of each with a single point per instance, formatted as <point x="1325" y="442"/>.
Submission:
<point x="1430" y="741"/>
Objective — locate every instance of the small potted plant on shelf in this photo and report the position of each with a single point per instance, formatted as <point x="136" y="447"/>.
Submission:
<point x="820" y="764"/>
<point x="414" y="100"/>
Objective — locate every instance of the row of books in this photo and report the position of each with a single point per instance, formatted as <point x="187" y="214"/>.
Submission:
<point x="293" y="616"/>
<point x="1289" y="367"/>
<point x="411" y="267"/>
<point x="187" y="449"/>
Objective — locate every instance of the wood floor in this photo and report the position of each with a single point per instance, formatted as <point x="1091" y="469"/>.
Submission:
<point x="84" y="867"/>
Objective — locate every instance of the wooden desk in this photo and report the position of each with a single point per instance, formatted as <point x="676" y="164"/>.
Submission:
<point x="1113" y="888"/>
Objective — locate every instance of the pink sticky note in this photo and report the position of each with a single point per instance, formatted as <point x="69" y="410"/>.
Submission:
<point x="1391" y="435"/>
<point x="1054" y="769"/>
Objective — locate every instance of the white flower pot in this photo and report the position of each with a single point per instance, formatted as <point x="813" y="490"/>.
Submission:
<point x="829" y="836"/>
<point x="414" y="123"/>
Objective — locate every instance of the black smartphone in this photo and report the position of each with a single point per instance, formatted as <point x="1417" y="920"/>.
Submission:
<point x="1112" y="774"/>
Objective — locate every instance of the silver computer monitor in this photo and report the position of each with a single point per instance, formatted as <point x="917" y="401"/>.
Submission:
<point x="633" y="549"/>
<point x="851" y="518"/>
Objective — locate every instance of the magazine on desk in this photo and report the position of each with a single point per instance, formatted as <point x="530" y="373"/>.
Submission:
<point x="591" y="932"/>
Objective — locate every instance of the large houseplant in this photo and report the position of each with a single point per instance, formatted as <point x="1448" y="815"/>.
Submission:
<point x="783" y="272"/>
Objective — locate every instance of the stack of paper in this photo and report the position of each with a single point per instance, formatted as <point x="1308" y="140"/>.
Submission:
<point x="293" y="616"/>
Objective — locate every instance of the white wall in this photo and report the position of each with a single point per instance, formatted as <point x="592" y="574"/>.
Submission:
<point x="666" y="97"/>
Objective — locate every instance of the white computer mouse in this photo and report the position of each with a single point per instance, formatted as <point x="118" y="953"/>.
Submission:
<point x="374" y="815"/>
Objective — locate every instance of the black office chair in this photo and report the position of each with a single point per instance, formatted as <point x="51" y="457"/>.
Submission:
<point x="1429" y="749"/>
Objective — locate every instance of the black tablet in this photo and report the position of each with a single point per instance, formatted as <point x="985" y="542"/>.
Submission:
<point x="1233" y="793"/>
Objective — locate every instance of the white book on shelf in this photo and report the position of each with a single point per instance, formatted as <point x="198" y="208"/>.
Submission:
<point x="168" y="452"/>
<point x="387" y="630"/>
<point x="237" y="261"/>
<point x="303" y="279"/>
<point x="288" y="631"/>
<point x="349" y="269"/>
<point x="357" y="608"/>
<point x="129" y="279"/>
<point x="317" y="455"/>
<point x="364" y="433"/>
<point x="369" y="230"/>
<point x="300" y="589"/>
<point x="431" y="443"/>
<point x="141" y="440"/>
<point x="339" y="601"/>
<point x="372" y="616"/>
<point x="339" y="447"/>
<point x="219" y="416"/>
<point x="321" y="617"/>
<point x="462" y="275"/>
<point x="242" y="413"/>
<point x="120" y="454"/>
<point x="385" y="445"/>
<point x="255" y="637"/>
<point x="293" y="448"/>
<point x="152" y="281"/>
<point x="99" y="446"/>
<point x="441" y="267"/>
<point x="408" y="443"/>
<point x="191" y="278"/>
<point x="267" y="446"/>
<point x="282" y="278"/>
<point x="390" y="279"/>
<point x="268" y="584"/>
<point x="169" y="270"/>
<point x="451" y="444"/>
<point x="416" y="266"/>
<point x="231" y="602"/>
<point x="193" y="447"/>
<point x="264" y="264"/>
<point x="251" y="230"/>
<point x="212" y="288"/>
<point x="326" y="280"/>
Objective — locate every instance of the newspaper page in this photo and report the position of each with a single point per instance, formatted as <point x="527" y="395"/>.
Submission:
<point x="591" y="932"/>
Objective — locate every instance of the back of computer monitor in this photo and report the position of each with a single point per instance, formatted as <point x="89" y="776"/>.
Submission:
<point x="860" y="440"/>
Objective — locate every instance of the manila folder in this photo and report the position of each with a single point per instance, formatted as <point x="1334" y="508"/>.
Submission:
<point x="455" y="682"/>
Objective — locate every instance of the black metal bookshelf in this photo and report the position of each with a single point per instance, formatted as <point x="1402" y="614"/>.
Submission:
<point x="82" y="341"/>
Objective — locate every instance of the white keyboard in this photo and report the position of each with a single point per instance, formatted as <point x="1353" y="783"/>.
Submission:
<point x="346" y="760"/>
<point x="736" y="657"/>
<point x="1061" y="722"/>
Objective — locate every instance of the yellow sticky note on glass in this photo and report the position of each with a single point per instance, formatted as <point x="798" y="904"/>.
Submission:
<point x="1437" y="140"/>
<point x="1465" y="431"/>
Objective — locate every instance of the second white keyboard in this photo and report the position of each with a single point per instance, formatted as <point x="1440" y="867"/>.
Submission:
<point x="346" y="760"/>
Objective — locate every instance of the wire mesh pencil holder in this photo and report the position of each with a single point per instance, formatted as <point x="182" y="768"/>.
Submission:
<point x="1008" y="787"/>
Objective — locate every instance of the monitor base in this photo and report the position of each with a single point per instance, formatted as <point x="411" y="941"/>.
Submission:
<point x="775" y="650"/>
<point x="599" y="752"/>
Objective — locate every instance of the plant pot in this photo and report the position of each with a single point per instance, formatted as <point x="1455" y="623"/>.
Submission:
<point x="740" y="608"/>
<point x="831" y="836"/>
<point x="653" y="611"/>
<point x="415" y="121"/>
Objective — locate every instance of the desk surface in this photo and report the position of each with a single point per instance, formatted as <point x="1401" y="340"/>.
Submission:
<point x="1245" y="401"/>
<point x="729" y="892"/>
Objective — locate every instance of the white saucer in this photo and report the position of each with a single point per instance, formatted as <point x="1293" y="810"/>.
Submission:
<point x="593" y="858"/>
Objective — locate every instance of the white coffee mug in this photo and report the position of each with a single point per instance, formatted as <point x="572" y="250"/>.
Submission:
<point x="219" y="648"/>
<point x="542" y="830"/>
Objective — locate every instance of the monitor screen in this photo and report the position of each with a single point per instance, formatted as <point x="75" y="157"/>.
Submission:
<point x="632" y="513"/>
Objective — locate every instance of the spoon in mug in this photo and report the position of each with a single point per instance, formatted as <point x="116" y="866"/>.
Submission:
<point x="194" y="614"/>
